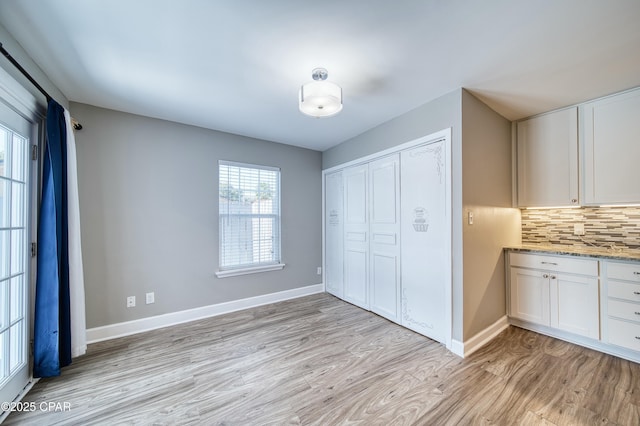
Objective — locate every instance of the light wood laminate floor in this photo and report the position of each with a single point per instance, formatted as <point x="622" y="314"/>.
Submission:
<point x="320" y="361"/>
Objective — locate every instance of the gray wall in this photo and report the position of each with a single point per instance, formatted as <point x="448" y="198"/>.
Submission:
<point x="148" y="206"/>
<point x="486" y="177"/>
<point x="441" y="113"/>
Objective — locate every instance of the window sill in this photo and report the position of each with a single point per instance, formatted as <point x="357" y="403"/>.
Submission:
<point x="245" y="271"/>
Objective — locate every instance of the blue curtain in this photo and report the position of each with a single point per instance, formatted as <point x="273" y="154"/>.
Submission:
<point x="52" y="326"/>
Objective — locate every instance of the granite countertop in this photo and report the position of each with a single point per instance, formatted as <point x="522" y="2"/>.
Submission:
<point x="599" y="252"/>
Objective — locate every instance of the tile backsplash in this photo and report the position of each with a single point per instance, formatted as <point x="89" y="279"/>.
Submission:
<point x="606" y="227"/>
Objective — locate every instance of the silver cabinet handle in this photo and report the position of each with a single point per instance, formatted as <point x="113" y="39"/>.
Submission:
<point x="638" y="337"/>
<point x="637" y="292"/>
<point x="545" y="276"/>
<point x="637" y="313"/>
<point x="549" y="263"/>
<point x="574" y="200"/>
<point x="553" y="277"/>
<point x="636" y="273"/>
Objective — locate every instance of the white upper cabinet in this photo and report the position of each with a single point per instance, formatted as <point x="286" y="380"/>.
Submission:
<point x="547" y="159"/>
<point x="611" y="129"/>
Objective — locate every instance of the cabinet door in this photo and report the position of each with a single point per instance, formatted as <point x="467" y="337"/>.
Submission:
<point x="574" y="304"/>
<point x="529" y="296"/>
<point x="547" y="159"/>
<point x="334" y="234"/>
<point x="356" y="236"/>
<point x="612" y="149"/>
<point x="424" y="228"/>
<point x="384" y="228"/>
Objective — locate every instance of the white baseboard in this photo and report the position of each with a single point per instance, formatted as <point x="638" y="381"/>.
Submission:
<point x="457" y="347"/>
<point x="122" y="329"/>
<point x="466" y="348"/>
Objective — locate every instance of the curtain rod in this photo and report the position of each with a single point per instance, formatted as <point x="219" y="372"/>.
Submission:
<point x="24" y="72"/>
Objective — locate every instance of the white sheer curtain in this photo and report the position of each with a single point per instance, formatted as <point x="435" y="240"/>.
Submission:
<point x="76" y="272"/>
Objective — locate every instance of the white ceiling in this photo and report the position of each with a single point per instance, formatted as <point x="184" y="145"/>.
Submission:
<point x="237" y="65"/>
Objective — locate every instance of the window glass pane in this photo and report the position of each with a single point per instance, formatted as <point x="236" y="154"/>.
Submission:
<point x="18" y="151"/>
<point x="263" y="233"/>
<point x="5" y="203"/>
<point x="17" y="204"/>
<point x="16" y="346"/>
<point x="17" y="252"/>
<point x="4" y="155"/>
<point x="16" y="296"/>
<point x="249" y="205"/>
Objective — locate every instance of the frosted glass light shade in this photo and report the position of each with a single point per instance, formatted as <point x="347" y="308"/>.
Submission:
<point x="320" y="99"/>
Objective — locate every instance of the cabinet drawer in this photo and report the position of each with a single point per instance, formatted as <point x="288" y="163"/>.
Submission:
<point x="624" y="310"/>
<point x="625" y="334"/>
<point x="624" y="271"/>
<point x="622" y="290"/>
<point x="567" y="264"/>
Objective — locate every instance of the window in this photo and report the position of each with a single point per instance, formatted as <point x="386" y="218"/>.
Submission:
<point x="249" y="214"/>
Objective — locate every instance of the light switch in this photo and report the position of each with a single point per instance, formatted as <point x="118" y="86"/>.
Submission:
<point x="470" y="216"/>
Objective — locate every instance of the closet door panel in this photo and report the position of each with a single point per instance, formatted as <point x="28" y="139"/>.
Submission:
<point x="334" y="234"/>
<point x="355" y="196"/>
<point x="384" y="228"/>
<point x="356" y="235"/>
<point x="424" y="231"/>
<point x="356" y="265"/>
<point x="384" y="283"/>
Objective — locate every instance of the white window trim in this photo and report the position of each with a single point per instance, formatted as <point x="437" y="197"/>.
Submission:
<point x="245" y="271"/>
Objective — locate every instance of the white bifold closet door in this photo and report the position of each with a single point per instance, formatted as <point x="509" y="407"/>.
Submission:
<point x="372" y="236"/>
<point x="424" y="245"/>
<point x="388" y="236"/>
<point x="334" y="234"/>
<point x="356" y="235"/>
<point x="384" y="228"/>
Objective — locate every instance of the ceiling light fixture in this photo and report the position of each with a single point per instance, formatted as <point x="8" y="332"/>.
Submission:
<point x="320" y="98"/>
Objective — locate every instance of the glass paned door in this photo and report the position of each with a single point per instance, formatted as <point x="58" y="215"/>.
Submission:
<point x="14" y="259"/>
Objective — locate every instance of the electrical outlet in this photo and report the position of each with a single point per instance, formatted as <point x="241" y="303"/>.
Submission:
<point x="150" y="298"/>
<point x="131" y="302"/>
<point x="578" y="229"/>
<point x="319" y="270"/>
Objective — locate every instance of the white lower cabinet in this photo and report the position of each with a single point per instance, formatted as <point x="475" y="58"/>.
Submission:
<point x="574" y="304"/>
<point x="556" y="292"/>
<point x="622" y="320"/>
<point x="590" y="302"/>
<point x="529" y="293"/>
